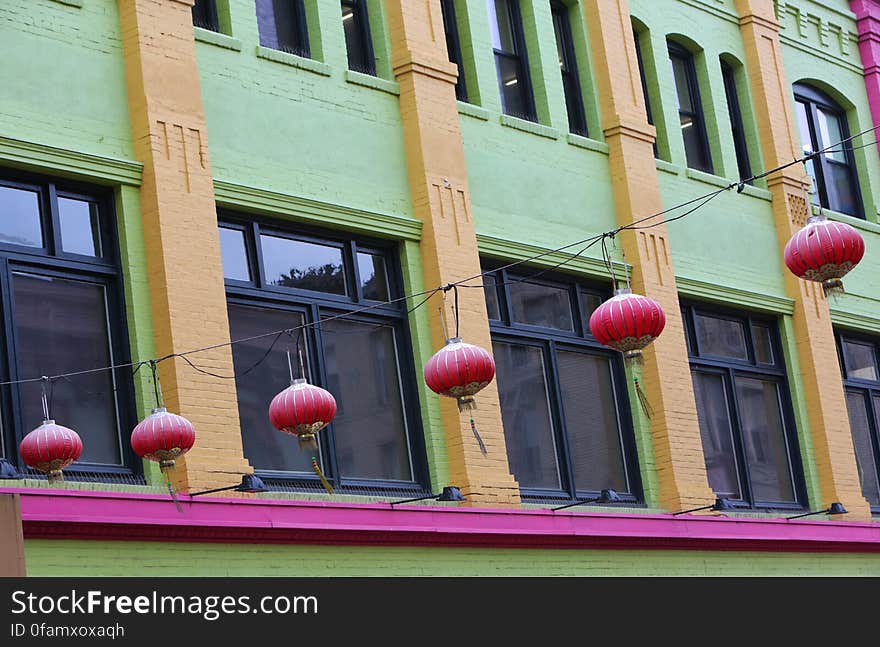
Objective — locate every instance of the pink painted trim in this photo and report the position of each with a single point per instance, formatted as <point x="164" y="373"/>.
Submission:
<point x="868" y="21"/>
<point x="107" y="515"/>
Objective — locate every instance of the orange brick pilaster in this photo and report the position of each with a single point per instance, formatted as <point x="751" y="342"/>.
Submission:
<point x="180" y="233"/>
<point x="817" y="353"/>
<point x="438" y="184"/>
<point x="675" y="429"/>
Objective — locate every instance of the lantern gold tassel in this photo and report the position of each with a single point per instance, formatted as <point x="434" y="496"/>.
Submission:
<point x="324" y="481"/>
<point x="479" y="439"/>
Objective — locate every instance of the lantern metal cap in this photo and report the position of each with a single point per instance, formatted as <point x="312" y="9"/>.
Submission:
<point x="156" y="410"/>
<point x="8" y="471"/>
<point x="299" y="380"/>
<point x="620" y="291"/>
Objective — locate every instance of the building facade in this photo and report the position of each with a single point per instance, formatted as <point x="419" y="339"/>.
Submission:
<point x="225" y="184"/>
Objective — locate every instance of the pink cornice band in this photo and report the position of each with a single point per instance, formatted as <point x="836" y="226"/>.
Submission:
<point x="60" y="514"/>
<point x="868" y="21"/>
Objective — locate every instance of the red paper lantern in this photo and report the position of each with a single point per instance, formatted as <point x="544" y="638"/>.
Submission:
<point x="162" y="437"/>
<point x="302" y="410"/>
<point x="50" y="448"/>
<point x="824" y="251"/>
<point x="459" y="370"/>
<point x="627" y="322"/>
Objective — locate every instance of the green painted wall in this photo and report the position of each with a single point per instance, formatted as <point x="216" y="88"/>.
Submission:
<point x="114" y="558"/>
<point x="63" y="76"/>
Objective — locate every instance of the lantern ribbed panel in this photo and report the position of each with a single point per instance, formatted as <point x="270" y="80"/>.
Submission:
<point x="302" y="408"/>
<point x="459" y="369"/>
<point x="163" y="435"/>
<point x="627" y="322"/>
<point x="50" y="447"/>
<point x="823" y="250"/>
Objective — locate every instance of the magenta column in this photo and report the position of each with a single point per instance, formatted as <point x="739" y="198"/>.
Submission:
<point x="868" y="20"/>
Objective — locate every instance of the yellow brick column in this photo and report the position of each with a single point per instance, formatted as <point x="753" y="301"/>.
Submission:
<point x="817" y="353"/>
<point x="438" y="183"/>
<point x="678" y="449"/>
<point x="180" y="233"/>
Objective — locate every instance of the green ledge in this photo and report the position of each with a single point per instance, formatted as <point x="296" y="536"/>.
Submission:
<point x="253" y="199"/>
<point x="707" y="178"/>
<point x="71" y="3"/>
<point x="374" y="82"/>
<point x="858" y="223"/>
<point x="589" y="144"/>
<point x="667" y="167"/>
<point x="472" y="110"/>
<point x="734" y="296"/>
<point x="529" y="126"/>
<point x="293" y="60"/>
<point x="510" y="250"/>
<point x="757" y="192"/>
<point x="220" y="40"/>
<point x="70" y="163"/>
<point x="856" y="322"/>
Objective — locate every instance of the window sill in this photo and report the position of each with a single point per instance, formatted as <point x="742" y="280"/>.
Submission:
<point x="757" y="192"/>
<point x="374" y="82"/>
<point x="529" y="126"/>
<point x="472" y="110"/>
<point x="585" y="142"/>
<point x="667" y="167"/>
<point x="707" y="178"/>
<point x="858" y="223"/>
<point x="293" y="60"/>
<point x="71" y="3"/>
<point x="220" y="40"/>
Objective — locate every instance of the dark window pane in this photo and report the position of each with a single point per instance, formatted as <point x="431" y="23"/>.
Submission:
<point x="513" y="87"/>
<point x="362" y="374"/>
<point x="589" y="303"/>
<point x="80" y="229"/>
<point x="829" y="134"/>
<point x="803" y="122"/>
<point x="305" y="266"/>
<point x="501" y="25"/>
<point x="683" y="99"/>
<point x="721" y="337"/>
<point x="716" y="431"/>
<point x="61" y="326"/>
<point x="264" y="446"/>
<point x="736" y="124"/>
<point x="693" y="130"/>
<point x="453" y="46"/>
<point x="841" y="189"/>
<point x="20" y="217"/>
<point x="540" y="305"/>
<point x="568" y="68"/>
<point x="374" y="279"/>
<point x="493" y="308"/>
<point x="861" y="361"/>
<point x="591" y="422"/>
<point x="694" y="143"/>
<point x="763" y="344"/>
<point x="281" y="25"/>
<point x="763" y="436"/>
<point x="234" y="254"/>
<point x="357" y="43"/>
<point x="861" y="436"/>
<point x="204" y="13"/>
<point x="525" y="412"/>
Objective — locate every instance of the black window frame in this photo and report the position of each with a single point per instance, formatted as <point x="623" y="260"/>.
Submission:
<point x="521" y="57"/>
<point x="453" y="46"/>
<point x="52" y="261"/>
<point x="734" y="111"/>
<point x="301" y="31"/>
<point x="579" y="340"/>
<point x="362" y="16"/>
<point x="571" y="85"/>
<point x="640" y="61"/>
<point x="729" y="369"/>
<point x="867" y="389"/>
<point x="814" y="99"/>
<point x="677" y="51"/>
<point x="210" y="18"/>
<point x="310" y="304"/>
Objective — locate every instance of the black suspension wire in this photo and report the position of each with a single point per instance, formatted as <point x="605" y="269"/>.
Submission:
<point x="590" y="241"/>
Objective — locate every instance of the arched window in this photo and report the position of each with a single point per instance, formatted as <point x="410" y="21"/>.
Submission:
<point x="822" y="123"/>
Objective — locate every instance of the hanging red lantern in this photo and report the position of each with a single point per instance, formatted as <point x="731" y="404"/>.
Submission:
<point x="460" y="370"/>
<point x="824" y="251"/>
<point x="302" y="410"/>
<point x="162" y="437"/>
<point x="50" y="448"/>
<point x="627" y="322"/>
